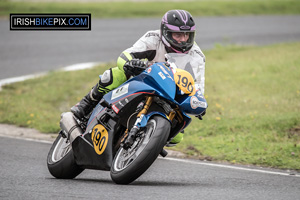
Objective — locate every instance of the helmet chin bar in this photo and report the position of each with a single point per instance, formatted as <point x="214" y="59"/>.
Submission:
<point x="171" y="49"/>
<point x="166" y="43"/>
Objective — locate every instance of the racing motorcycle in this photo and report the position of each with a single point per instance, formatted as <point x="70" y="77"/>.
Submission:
<point x="132" y="124"/>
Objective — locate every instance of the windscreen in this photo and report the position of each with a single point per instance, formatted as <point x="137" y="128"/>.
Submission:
<point x="186" y="62"/>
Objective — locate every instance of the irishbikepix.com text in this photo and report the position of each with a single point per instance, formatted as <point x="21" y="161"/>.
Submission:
<point x="50" y="21"/>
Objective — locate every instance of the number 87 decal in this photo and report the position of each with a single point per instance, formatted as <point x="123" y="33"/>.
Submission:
<point x="185" y="81"/>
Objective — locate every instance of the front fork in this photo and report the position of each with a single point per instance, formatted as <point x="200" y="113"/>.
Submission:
<point x="130" y="137"/>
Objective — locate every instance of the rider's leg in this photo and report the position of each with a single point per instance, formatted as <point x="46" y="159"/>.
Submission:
<point x="109" y="80"/>
<point x="87" y="103"/>
<point x="178" y="138"/>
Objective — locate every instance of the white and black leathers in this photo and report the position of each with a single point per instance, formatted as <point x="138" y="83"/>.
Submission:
<point x="150" y="47"/>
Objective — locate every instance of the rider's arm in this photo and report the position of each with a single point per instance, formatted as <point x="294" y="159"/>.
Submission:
<point x="196" y="51"/>
<point x="144" y="48"/>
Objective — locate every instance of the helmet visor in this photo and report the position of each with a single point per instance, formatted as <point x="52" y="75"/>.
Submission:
<point x="181" y="39"/>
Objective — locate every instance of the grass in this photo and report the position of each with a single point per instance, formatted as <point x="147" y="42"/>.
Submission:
<point x="155" y="9"/>
<point x="253" y="96"/>
<point x="254" y="108"/>
<point x="38" y="103"/>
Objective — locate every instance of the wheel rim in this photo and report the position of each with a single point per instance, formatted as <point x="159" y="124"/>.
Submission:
<point x="125" y="157"/>
<point x="62" y="147"/>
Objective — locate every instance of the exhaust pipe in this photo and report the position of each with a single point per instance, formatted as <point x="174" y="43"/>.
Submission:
<point x="70" y="126"/>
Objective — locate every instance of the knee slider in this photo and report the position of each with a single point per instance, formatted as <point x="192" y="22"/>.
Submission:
<point x="111" y="79"/>
<point x="106" y="78"/>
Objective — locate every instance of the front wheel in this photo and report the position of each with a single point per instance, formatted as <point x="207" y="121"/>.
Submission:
<point x="129" y="164"/>
<point x="61" y="162"/>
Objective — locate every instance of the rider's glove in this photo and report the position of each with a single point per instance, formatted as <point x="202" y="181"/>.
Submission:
<point x="134" y="67"/>
<point x="201" y="115"/>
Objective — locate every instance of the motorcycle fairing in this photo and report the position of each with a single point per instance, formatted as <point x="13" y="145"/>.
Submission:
<point x="157" y="80"/>
<point x="194" y="105"/>
<point x="127" y="101"/>
<point x="89" y="158"/>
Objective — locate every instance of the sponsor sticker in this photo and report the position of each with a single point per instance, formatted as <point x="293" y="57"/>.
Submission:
<point x="149" y="70"/>
<point x="163" y="69"/>
<point x="195" y="103"/>
<point x="162" y="75"/>
<point x="119" y="91"/>
<point x="114" y="107"/>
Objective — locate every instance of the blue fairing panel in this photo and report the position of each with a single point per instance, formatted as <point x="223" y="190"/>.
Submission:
<point x="194" y="105"/>
<point x="157" y="79"/>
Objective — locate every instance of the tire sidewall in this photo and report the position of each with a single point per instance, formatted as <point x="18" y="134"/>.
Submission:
<point x="65" y="168"/>
<point x="147" y="156"/>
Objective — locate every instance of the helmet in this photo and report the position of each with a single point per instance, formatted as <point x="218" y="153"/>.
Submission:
<point x="177" y="21"/>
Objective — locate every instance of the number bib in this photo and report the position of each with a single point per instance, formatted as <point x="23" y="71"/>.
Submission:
<point x="100" y="138"/>
<point x="185" y="82"/>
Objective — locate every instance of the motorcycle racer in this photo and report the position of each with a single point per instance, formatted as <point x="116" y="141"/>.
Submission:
<point x="176" y="35"/>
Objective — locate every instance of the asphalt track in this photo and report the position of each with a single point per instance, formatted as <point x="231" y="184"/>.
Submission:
<point x="24" y="175"/>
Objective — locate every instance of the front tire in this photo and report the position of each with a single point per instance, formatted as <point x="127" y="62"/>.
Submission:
<point x="60" y="161"/>
<point x="130" y="164"/>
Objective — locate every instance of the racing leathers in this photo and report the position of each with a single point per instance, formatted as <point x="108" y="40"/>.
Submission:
<point x="150" y="47"/>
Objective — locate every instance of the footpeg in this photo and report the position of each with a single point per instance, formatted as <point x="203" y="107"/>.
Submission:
<point x="163" y="153"/>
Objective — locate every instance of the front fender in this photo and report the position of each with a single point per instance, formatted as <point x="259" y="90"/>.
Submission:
<point x="146" y="118"/>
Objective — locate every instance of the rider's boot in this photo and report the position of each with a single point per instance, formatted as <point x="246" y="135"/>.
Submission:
<point x="88" y="103"/>
<point x="178" y="138"/>
<point x="109" y="80"/>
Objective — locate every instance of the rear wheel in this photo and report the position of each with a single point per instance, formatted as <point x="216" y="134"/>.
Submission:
<point x="129" y="164"/>
<point x="61" y="162"/>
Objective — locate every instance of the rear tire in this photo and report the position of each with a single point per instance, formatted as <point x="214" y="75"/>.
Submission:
<point x="130" y="164"/>
<point x="60" y="161"/>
